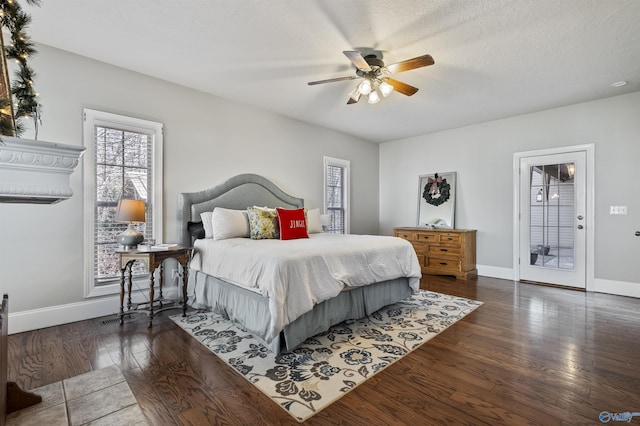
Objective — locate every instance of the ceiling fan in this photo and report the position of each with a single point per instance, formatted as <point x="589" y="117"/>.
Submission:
<point x="376" y="76"/>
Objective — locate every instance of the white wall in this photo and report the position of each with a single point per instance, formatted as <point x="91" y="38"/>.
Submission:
<point x="483" y="157"/>
<point x="207" y="140"/>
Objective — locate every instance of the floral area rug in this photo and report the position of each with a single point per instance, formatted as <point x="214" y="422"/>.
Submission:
<point x="327" y="366"/>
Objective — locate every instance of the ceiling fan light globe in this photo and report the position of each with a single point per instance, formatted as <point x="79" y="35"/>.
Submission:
<point x="385" y="88"/>
<point x="365" y="87"/>
<point x="374" y="98"/>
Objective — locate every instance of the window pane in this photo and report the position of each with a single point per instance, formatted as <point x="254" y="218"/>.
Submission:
<point x="108" y="183"/>
<point x="567" y="194"/>
<point x="135" y="150"/>
<point x="552" y="215"/>
<point x="536" y="237"/>
<point x="335" y="202"/>
<point x="106" y="261"/>
<point x="122" y="170"/>
<point x="106" y="229"/>
<point x="337" y="221"/>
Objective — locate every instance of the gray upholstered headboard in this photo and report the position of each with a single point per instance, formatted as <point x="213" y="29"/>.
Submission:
<point x="238" y="193"/>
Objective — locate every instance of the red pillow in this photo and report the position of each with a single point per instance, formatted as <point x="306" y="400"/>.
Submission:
<point x="292" y="223"/>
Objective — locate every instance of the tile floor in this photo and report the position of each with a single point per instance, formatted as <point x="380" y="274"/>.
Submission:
<point x="100" y="397"/>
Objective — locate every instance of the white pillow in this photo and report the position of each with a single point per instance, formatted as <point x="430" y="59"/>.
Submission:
<point x="207" y="222"/>
<point x="229" y="223"/>
<point x="314" y="225"/>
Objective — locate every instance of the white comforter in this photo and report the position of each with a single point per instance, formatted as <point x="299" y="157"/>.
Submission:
<point x="295" y="275"/>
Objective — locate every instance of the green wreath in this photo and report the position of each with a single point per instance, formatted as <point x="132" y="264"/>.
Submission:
<point x="445" y="193"/>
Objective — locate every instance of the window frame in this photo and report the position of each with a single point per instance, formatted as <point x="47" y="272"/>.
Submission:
<point x="346" y="166"/>
<point x="91" y="119"/>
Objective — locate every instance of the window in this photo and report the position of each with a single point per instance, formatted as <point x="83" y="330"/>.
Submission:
<point x="336" y="194"/>
<point x="123" y="159"/>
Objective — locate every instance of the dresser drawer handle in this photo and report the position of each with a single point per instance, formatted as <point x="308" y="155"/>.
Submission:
<point x="444" y="263"/>
<point x="444" y="250"/>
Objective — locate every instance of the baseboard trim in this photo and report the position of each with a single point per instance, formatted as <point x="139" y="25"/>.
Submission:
<point x="496" y="272"/>
<point x="620" y="288"/>
<point x="72" y="312"/>
<point x="62" y="314"/>
<point x="95" y="308"/>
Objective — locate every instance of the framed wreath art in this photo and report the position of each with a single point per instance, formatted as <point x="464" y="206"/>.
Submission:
<point x="437" y="191"/>
<point x="436" y="202"/>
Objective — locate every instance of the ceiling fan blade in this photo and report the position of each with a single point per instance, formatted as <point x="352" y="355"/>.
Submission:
<point x="354" y="97"/>
<point x="401" y="87"/>
<point x="331" y="80"/>
<point x="410" y="64"/>
<point x="356" y="59"/>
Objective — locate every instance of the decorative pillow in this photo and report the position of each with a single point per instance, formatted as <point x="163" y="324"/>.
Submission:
<point x="196" y="230"/>
<point x="263" y="223"/>
<point x="292" y="224"/>
<point x="314" y="225"/>
<point x="207" y="223"/>
<point x="229" y="223"/>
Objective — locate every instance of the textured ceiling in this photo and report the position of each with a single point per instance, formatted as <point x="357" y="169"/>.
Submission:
<point x="494" y="58"/>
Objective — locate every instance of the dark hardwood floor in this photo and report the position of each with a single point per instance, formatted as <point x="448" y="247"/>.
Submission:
<point x="529" y="355"/>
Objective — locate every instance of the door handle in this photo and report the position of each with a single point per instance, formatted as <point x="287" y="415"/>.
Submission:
<point x="580" y="226"/>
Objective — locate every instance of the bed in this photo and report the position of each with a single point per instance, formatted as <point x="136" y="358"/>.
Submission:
<point x="280" y="305"/>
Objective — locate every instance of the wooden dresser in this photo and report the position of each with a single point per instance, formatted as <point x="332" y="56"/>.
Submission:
<point x="443" y="251"/>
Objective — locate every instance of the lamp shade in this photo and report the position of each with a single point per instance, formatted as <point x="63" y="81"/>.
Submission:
<point x="130" y="211"/>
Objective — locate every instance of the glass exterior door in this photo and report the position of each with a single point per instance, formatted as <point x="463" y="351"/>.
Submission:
<point x="552" y="210"/>
<point x="551" y="215"/>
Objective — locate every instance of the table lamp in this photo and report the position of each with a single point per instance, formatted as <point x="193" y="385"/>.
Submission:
<point x="131" y="211"/>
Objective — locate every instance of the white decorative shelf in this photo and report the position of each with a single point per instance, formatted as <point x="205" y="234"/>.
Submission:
<point x="36" y="172"/>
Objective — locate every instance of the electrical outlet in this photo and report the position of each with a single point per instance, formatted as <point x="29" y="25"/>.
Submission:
<point x="618" y="210"/>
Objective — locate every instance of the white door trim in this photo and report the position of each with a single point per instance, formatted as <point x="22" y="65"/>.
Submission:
<point x="590" y="219"/>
